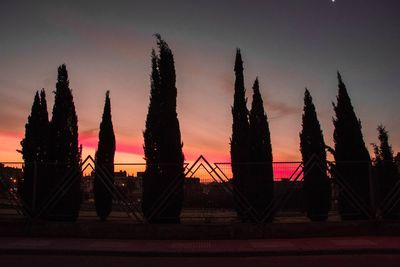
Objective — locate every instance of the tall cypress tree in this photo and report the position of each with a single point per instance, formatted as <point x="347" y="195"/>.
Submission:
<point x="151" y="190"/>
<point x="261" y="181"/>
<point x="35" y="154"/>
<point x="239" y="141"/>
<point x="44" y="155"/>
<point x="170" y="144"/>
<point x="352" y="158"/>
<point x="387" y="175"/>
<point x="165" y="198"/>
<point x="316" y="186"/>
<point x="30" y="151"/>
<point x="65" y="151"/>
<point x="104" y="171"/>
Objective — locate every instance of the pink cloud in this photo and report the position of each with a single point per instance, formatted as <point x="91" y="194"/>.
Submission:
<point x="89" y="139"/>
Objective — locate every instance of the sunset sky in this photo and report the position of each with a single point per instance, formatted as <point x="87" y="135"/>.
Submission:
<point x="288" y="44"/>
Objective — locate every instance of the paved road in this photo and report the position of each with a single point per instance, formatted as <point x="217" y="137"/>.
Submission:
<point x="281" y="261"/>
<point x="260" y="247"/>
<point x="329" y="251"/>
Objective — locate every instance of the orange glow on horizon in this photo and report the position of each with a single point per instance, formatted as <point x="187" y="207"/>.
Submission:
<point x="127" y="153"/>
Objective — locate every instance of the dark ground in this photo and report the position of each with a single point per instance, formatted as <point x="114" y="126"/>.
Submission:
<point x="279" y="261"/>
<point x="323" y="251"/>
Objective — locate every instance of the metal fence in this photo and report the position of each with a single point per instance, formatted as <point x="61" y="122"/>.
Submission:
<point x="209" y="194"/>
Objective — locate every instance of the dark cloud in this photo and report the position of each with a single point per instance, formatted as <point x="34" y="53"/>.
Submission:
<point x="89" y="132"/>
<point x="279" y="109"/>
<point x="274" y="108"/>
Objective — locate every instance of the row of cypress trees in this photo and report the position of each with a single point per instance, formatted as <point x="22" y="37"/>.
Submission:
<point x="52" y="158"/>
<point x="52" y="155"/>
<point x="251" y="157"/>
<point x="250" y="143"/>
<point x="353" y="170"/>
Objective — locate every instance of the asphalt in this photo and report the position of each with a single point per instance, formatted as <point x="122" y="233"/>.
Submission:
<point x="368" y="245"/>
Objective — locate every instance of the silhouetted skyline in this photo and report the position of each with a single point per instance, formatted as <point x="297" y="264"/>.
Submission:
<point x="288" y="44"/>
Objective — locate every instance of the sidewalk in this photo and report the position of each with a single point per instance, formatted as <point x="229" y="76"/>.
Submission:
<point x="201" y="248"/>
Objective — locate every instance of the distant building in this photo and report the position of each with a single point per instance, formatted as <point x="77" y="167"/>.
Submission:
<point x="10" y="177"/>
<point x="129" y="186"/>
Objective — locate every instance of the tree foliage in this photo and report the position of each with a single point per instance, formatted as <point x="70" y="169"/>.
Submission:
<point x="35" y="154"/>
<point x="316" y="186"/>
<point x="163" y="178"/>
<point x="240" y="141"/>
<point x="352" y="158"/>
<point x="104" y="171"/>
<point x="387" y="175"/>
<point x="261" y="180"/>
<point x="151" y="190"/>
<point x="65" y="151"/>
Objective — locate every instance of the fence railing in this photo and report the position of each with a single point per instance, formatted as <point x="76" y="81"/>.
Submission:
<point x="353" y="190"/>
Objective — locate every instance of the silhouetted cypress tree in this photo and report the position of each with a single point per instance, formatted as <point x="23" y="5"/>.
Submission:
<point x="30" y="152"/>
<point x="351" y="155"/>
<point x="316" y="186"/>
<point x="261" y="181"/>
<point x="65" y="150"/>
<point x="239" y="140"/>
<point x="387" y="175"/>
<point x="104" y="171"/>
<point x="43" y="166"/>
<point x="34" y="152"/>
<point x="162" y="131"/>
<point x="151" y="190"/>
